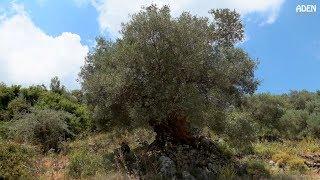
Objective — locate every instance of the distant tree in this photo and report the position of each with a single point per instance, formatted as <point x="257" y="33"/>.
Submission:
<point x="56" y="86"/>
<point x="7" y="94"/>
<point x="267" y="110"/>
<point x="299" y="99"/>
<point x="294" y="123"/>
<point x="33" y="93"/>
<point x="314" y="125"/>
<point x="169" y="73"/>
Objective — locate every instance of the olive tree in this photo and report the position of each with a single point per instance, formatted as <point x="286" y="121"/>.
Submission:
<point x="169" y="73"/>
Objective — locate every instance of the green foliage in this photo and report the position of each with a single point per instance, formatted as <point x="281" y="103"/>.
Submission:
<point x="289" y="116"/>
<point x="4" y="129"/>
<point x="299" y="99"/>
<point x="84" y="164"/>
<point x="4" y="115"/>
<point x="266" y="110"/>
<point x="16" y="100"/>
<point x="225" y="19"/>
<point x="78" y="95"/>
<point x="18" y="106"/>
<point x="163" y="65"/>
<point x="240" y="130"/>
<point x="17" y="161"/>
<point x="81" y="120"/>
<point x="313" y="124"/>
<point x="56" y="86"/>
<point x="32" y="93"/>
<point x="7" y="94"/>
<point x="45" y="127"/>
<point x="294" y="123"/>
<point x="227" y="172"/>
<point x="257" y="168"/>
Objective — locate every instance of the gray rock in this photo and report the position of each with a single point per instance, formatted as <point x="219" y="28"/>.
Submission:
<point x="187" y="176"/>
<point x="213" y="168"/>
<point x="167" y="166"/>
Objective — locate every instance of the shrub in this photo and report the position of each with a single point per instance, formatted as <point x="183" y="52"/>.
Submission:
<point x="17" y="106"/>
<point x="7" y="94"/>
<point x="4" y="127"/>
<point x="32" y="93"/>
<point x="299" y="99"/>
<point x="4" y="115"/>
<point x="84" y="164"/>
<point x="265" y="150"/>
<point x="16" y="160"/>
<point x="313" y="123"/>
<point x="45" y="127"/>
<point x="80" y="122"/>
<point x="295" y="123"/>
<point x="266" y="110"/>
<point x="257" y="168"/>
<point x="240" y="131"/>
<point x="313" y="106"/>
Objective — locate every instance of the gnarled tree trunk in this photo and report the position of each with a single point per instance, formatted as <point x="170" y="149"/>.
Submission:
<point x="174" y="129"/>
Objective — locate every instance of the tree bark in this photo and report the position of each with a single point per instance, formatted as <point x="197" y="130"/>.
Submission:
<point x="174" y="129"/>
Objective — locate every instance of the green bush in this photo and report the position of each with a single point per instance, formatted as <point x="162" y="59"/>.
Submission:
<point x="4" y="115"/>
<point x="4" y="128"/>
<point x="81" y="120"/>
<point x="45" y="127"/>
<point x="84" y="164"/>
<point x="33" y="93"/>
<point x="299" y="99"/>
<point x="17" y="106"/>
<point x="16" y="160"/>
<point x="266" y="110"/>
<point x="313" y="106"/>
<point x="257" y="168"/>
<point x="294" y="123"/>
<point x="313" y="123"/>
<point x="240" y="131"/>
<point x="7" y="94"/>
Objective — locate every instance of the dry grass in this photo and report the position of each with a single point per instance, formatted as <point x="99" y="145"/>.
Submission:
<point x="287" y="157"/>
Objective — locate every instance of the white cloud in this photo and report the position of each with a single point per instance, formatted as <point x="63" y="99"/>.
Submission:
<point x="113" y="12"/>
<point x="30" y="56"/>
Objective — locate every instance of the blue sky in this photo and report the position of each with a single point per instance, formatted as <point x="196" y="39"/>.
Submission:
<point x="43" y="38"/>
<point x="288" y="51"/>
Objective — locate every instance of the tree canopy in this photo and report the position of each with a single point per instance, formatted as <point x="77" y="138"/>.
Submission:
<point x="163" y="69"/>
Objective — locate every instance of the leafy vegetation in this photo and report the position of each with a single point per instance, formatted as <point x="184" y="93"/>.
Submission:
<point x="45" y="127"/>
<point x="17" y="160"/>
<point x="173" y="97"/>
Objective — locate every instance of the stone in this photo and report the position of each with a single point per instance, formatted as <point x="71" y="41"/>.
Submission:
<point x="187" y="176"/>
<point x="167" y="166"/>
